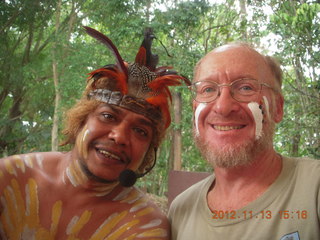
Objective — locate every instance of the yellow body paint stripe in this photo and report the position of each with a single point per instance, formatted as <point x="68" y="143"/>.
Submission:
<point x="85" y="217"/>
<point x="132" y="197"/>
<point x="145" y="211"/>
<point x="133" y="236"/>
<point x="76" y="178"/>
<point x="10" y="203"/>
<point x="19" y="163"/>
<point x="5" y="224"/>
<point x="108" y="225"/>
<point x="116" y="234"/>
<point x="158" y="232"/>
<point x="55" y="217"/>
<point x="9" y="167"/>
<point x="19" y="202"/>
<point x="42" y="234"/>
<point x="33" y="218"/>
<point x="28" y="161"/>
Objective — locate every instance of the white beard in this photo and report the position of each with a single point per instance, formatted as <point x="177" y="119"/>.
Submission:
<point x="235" y="155"/>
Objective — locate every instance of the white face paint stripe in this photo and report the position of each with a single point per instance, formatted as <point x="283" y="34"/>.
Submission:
<point x="199" y="109"/>
<point x="85" y="135"/>
<point x="258" y="117"/>
<point x="267" y="106"/>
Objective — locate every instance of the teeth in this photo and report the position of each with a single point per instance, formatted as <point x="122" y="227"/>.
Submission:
<point x="226" y="128"/>
<point x="110" y="155"/>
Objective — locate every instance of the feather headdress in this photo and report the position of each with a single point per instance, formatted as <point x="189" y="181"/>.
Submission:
<point x="141" y="87"/>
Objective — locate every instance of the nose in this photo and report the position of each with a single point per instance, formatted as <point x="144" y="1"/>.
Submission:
<point x="225" y="104"/>
<point x="119" y="134"/>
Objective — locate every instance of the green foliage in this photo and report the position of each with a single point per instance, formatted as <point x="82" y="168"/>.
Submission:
<point x="298" y="26"/>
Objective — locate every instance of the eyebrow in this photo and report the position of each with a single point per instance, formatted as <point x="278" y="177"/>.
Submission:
<point x="145" y="122"/>
<point x="216" y="79"/>
<point x="141" y="120"/>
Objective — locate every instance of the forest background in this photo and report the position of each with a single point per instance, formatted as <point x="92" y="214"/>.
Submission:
<point x="46" y="55"/>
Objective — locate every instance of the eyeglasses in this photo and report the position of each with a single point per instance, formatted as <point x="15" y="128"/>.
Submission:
<point x="242" y="90"/>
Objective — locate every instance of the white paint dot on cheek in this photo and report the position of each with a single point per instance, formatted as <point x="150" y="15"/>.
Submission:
<point x="199" y="109"/>
<point x="257" y="116"/>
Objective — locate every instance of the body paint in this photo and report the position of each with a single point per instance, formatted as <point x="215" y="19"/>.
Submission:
<point x="266" y="103"/>
<point x="83" y="148"/>
<point x="258" y="117"/>
<point x="199" y="109"/>
<point x="20" y="215"/>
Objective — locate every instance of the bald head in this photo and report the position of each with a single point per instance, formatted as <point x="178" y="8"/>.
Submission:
<point x="239" y="57"/>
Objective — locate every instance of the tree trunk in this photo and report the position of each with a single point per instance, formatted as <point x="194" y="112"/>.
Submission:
<point x="177" y="143"/>
<point x="55" y="121"/>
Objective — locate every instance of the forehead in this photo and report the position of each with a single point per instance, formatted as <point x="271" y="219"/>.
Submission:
<point x="228" y="63"/>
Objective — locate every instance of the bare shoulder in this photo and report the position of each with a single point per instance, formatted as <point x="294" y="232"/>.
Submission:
<point x="151" y="222"/>
<point x="29" y="159"/>
<point x="18" y="166"/>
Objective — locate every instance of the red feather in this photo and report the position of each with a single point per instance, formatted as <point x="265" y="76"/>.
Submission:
<point x="141" y="57"/>
<point x="162" y="102"/>
<point x="113" y="73"/>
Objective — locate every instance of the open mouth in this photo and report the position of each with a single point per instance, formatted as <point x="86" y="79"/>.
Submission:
<point x="227" y="128"/>
<point x="110" y="155"/>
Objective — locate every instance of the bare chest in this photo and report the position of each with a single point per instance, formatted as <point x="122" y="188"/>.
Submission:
<point x="37" y="206"/>
<point x="31" y="213"/>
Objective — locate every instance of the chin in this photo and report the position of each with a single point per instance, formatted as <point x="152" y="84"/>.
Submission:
<point x="233" y="154"/>
<point x="99" y="174"/>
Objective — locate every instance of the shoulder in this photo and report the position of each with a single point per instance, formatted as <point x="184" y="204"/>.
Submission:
<point x="304" y="164"/>
<point x="30" y="160"/>
<point x="17" y="166"/>
<point x="193" y="195"/>
<point x="138" y="202"/>
<point x="303" y="171"/>
<point x="151" y="221"/>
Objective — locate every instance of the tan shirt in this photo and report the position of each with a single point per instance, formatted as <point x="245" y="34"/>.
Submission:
<point x="37" y="205"/>
<point x="289" y="209"/>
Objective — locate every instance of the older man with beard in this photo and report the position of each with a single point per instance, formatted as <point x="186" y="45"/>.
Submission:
<point x="254" y="193"/>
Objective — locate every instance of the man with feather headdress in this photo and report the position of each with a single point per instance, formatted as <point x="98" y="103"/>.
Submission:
<point x="115" y="130"/>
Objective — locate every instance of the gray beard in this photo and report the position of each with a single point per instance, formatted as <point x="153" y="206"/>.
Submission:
<point x="235" y="155"/>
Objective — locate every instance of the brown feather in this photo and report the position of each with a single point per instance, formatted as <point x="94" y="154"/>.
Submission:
<point x="106" y="41"/>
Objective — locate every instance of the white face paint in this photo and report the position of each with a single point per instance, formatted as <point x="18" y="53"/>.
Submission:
<point x="199" y="109"/>
<point x="266" y="103"/>
<point x="257" y="116"/>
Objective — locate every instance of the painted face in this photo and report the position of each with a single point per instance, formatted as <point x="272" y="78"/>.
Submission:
<point x="225" y="123"/>
<point x="113" y="139"/>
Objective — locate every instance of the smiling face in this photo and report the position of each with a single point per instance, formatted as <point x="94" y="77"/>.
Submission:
<point x="112" y="140"/>
<point x="229" y="133"/>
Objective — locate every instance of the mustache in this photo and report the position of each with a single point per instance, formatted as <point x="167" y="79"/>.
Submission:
<point x="230" y="118"/>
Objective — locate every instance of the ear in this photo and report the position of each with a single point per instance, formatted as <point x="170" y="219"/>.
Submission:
<point x="279" y="102"/>
<point x="194" y="107"/>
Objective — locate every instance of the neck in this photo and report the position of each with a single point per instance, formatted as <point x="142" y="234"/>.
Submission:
<point x="262" y="167"/>
<point x="78" y="175"/>
<point x="238" y="186"/>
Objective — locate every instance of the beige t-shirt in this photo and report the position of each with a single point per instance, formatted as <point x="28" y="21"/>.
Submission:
<point x="288" y="210"/>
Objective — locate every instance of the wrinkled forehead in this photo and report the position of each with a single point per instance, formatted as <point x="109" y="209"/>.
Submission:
<point x="228" y="63"/>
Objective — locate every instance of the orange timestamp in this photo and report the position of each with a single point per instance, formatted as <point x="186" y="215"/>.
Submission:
<point x="265" y="214"/>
